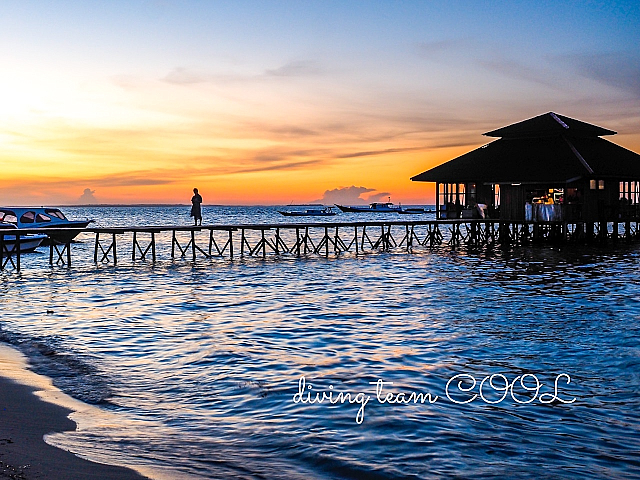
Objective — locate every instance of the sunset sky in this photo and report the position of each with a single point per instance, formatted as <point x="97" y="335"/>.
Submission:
<point x="271" y="102"/>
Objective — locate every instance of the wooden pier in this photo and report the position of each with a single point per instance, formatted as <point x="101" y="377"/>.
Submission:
<point x="300" y="239"/>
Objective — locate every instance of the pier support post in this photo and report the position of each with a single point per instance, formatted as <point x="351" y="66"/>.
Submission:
<point x="326" y="241"/>
<point x="407" y="236"/>
<point x="115" y="252"/>
<point x="355" y="235"/>
<point x="6" y="256"/>
<point x="264" y="245"/>
<point x="503" y="233"/>
<point x="588" y="234"/>
<point x="627" y="230"/>
<point x="143" y="253"/>
<point x="17" y="252"/>
<point x="474" y="233"/>
<point x="578" y="233"/>
<point x="603" y="233"/>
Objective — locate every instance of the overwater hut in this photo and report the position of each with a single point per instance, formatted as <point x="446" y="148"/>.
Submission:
<point x="546" y="168"/>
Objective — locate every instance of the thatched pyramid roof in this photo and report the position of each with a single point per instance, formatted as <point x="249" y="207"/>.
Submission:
<point x="547" y="148"/>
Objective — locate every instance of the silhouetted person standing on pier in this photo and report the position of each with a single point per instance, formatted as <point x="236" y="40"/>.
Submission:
<point x="196" y="210"/>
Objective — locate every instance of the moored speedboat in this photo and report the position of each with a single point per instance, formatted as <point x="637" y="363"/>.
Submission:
<point x="325" y="212"/>
<point x="28" y="243"/>
<point x="43" y="217"/>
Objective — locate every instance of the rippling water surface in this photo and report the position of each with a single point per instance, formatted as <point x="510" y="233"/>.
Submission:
<point x="201" y="361"/>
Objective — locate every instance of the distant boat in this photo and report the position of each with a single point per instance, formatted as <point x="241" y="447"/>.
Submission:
<point x="324" y="212"/>
<point x="414" y="211"/>
<point x="386" y="207"/>
<point x="28" y="243"/>
<point x="43" y="217"/>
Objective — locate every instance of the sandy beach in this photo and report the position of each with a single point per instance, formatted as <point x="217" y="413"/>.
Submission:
<point x="25" y="419"/>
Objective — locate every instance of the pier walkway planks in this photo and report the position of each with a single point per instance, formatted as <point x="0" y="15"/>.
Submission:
<point x="322" y="238"/>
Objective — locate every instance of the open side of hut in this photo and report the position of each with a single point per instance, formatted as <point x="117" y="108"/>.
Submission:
<point x="546" y="168"/>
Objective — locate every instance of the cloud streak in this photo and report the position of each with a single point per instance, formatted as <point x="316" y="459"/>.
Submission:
<point x="519" y="71"/>
<point x="190" y="76"/>
<point x="619" y="69"/>
<point x="299" y="68"/>
<point x="379" y="152"/>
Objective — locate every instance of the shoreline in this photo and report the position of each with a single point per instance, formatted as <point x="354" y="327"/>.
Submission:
<point x="27" y="414"/>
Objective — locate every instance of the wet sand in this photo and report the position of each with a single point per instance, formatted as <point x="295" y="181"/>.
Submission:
<point x="24" y="419"/>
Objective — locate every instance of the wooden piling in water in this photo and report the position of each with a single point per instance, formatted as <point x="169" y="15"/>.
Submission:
<point x="324" y="238"/>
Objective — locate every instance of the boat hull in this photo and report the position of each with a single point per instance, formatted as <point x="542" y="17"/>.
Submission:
<point x="62" y="235"/>
<point x="305" y="214"/>
<point x="28" y="243"/>
<point x="414" y="211"/>
<point x="347" y="209"/>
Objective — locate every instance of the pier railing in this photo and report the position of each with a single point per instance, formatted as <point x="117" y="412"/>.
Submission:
<point x="299" y="239"/>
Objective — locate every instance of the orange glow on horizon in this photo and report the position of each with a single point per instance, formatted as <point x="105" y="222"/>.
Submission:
<point x="261" y="103"/>
<point x="54" y="161"/>
<point x="153" y="142"/>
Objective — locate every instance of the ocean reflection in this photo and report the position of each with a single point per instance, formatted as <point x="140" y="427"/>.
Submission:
<point x="201" y="360"/>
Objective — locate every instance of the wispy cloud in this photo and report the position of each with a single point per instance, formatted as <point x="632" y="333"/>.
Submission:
<point x="299" y="68"/>
<point x="519" y="71"/>
<point x="134" y="179"/>
<point x="618" y="69"/>
<point x="562" y="72"/>
<point x="66" y="189"/>
<point x="378" y="152"/>
<point x="193" y="76"/>
<point x="128" y="179"/>
<point x="184" y="76"/>
<point x="276" y="164"/>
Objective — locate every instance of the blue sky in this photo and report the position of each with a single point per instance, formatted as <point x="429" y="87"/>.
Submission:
<point x="277" y="95"/>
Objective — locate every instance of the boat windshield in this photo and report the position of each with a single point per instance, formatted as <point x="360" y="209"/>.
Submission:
<point x="28" y="217"/>
<point x="54" y="212"/>
<point x="8" y="216"/>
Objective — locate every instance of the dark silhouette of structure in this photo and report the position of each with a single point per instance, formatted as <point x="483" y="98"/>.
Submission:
<point x="549" y="168"/>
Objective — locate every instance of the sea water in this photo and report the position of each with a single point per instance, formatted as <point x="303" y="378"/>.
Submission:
<point x="440" y="363"/>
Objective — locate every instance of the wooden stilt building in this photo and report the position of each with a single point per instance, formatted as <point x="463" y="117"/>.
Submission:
<point x="549" y="168"/>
